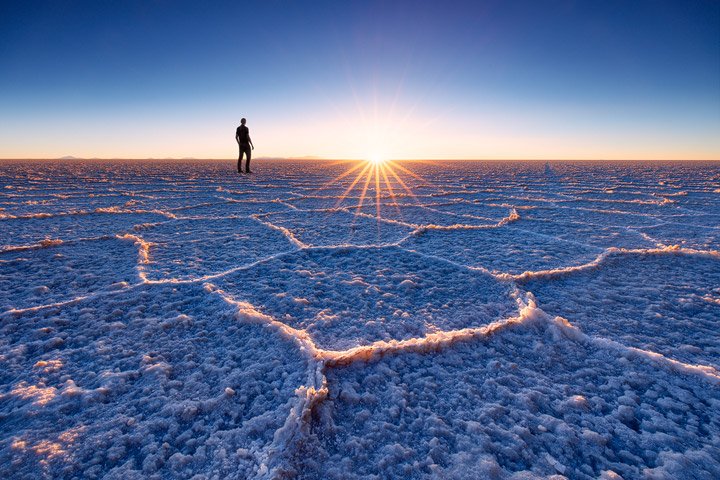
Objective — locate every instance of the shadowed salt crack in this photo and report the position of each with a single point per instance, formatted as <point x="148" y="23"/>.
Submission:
<point x="297" y="426"/>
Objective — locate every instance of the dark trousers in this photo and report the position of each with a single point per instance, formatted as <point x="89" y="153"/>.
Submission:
<point x="247" y="151"/>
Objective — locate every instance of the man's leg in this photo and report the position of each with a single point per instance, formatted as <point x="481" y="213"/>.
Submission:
<point x="240" y="158"/>
<point x="248" y="153"/>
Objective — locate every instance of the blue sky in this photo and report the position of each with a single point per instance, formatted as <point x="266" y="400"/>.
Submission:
<point x="536" y="79"/>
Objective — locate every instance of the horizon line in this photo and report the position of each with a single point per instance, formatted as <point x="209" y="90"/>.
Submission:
<point x="336" y="159"/>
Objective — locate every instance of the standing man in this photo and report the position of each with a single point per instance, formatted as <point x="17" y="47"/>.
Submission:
<point x="242" y="135"/>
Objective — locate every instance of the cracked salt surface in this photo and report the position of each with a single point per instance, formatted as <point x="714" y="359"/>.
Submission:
<point x="491" y="320"/>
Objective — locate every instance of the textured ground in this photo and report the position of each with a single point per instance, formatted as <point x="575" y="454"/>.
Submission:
<point x="455" y="320"/>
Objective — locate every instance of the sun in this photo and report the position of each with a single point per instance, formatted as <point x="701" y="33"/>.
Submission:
<point x="376" y="159"/>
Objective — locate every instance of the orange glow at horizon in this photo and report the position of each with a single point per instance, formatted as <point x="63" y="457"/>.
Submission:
<point x="375" y="129"/>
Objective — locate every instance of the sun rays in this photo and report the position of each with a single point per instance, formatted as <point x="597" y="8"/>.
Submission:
<point x="376" y="180"/>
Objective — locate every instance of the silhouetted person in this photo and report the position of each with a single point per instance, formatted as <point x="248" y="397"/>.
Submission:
<point x="242" y="135"/>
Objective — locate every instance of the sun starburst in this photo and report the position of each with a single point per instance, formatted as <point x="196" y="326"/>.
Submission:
<point x="376" y="159"/>
<point x="377" y="181"/>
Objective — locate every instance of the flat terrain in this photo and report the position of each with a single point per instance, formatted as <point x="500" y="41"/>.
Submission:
<point x="346" y="320"/>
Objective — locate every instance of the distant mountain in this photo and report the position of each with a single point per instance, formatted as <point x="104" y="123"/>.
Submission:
<point x="68" y="157"/>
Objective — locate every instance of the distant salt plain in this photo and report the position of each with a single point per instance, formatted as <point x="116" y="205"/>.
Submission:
<point x="469" y="320"/>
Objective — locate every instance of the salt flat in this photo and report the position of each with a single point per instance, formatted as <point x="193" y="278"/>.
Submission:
<point x="325" y="319"/>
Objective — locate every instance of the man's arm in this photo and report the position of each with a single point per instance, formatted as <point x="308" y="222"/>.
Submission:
<point x="250" y="140"/>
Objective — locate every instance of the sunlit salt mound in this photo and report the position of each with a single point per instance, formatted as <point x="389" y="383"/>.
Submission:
<point x="525" y="401"/>
<point x="349" y="297"/>
<point x="159" y="380"/>
<point x="666" y="302"/>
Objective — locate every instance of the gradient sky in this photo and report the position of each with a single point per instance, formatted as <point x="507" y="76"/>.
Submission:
<point x="495" y="79"/>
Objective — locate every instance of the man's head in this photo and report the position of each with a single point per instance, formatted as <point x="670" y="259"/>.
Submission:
<point x="242" y="121"/>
